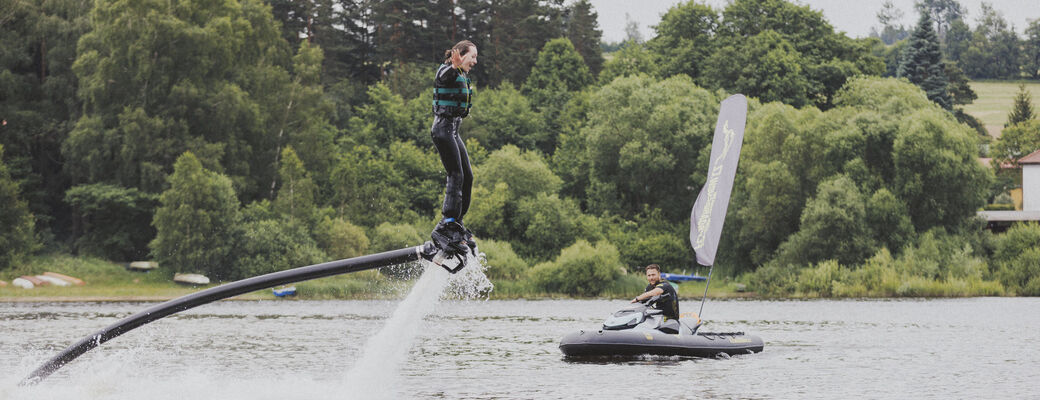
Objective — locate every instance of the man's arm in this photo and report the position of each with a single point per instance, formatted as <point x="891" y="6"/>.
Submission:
<point x="653" y="292"/>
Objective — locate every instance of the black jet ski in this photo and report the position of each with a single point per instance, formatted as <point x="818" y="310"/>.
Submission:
<point x="640" y="329"/>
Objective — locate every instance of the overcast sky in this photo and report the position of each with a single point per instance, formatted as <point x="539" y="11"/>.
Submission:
<point x="855" y="17"/>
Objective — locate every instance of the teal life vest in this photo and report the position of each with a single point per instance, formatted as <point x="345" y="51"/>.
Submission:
<point x="452" y="92"/>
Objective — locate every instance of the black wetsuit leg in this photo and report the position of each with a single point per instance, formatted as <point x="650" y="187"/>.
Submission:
<point x="456" y="163"/>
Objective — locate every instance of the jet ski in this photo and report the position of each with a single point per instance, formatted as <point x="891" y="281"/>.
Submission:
<point x="641" y="329"/>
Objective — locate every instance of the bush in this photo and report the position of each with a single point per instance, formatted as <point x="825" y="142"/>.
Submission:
<point x="773" y="280"/>
<point x="1017" y="259"/>
<point x="388" y="237"/>
<point x="502" y="262"/>
<point x="341" y="239"/>
<point x="581" y="269"/>
<point x="274" y="245"/>
<point x="821" y="279"/>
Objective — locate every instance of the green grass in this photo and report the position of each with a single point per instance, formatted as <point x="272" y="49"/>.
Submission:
<point x="104" y="281"/>
<point x="111" y="281"/>
<point x="995" y="101"/>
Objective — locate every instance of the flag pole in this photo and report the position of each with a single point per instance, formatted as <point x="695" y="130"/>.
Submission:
<point x="705" y="296"/>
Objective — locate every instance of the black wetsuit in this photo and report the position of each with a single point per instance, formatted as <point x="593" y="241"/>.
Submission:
<point x="452" y="99"/>
<point x="668" y="304"/>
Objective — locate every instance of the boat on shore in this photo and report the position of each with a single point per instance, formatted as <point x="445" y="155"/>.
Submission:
<point x="284" y="291"/>
<point x="191" y="279"/>
<point x="66" y="278"/>
<point x="50" y="280"/>
<point x="142" y="266"/>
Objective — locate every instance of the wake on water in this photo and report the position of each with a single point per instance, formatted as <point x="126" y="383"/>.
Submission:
<point x="371" y="377"/>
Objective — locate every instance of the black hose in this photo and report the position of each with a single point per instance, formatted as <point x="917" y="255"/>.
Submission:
<point x="218" y="293"/>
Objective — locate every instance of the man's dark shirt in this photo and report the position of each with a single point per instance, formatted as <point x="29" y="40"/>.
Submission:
<point x="668" y="304"/>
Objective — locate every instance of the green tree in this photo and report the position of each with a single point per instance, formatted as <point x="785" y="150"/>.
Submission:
<point x="890" y="32"/>
<point x="1017" y="259"/>
<point x="832" y="227"/>
<point x="296" y="194"/>
<point x="547" y="224"/>
<point x="581" y="269"/>
<point x="506" y="118"/>
<point x="216" y="78"/>
<point x="383" y="119"/>
<point x="889" y="220"/>
<point x="1016" y="141"/>
<point x="38" y="101"/>
<point x="958" y="85"/>
<point x="558" y="73"/>
<point x="197" y="222"/>
<point x="632" y="59"/>
<point x="937" y="174"/>
<point x="508" y="35"/>
<point x="994" y="52"/>
<point x="768" y="68"/>
<point x="646" y="155"/>
<point x="272" y="245"/>
<point x="502" y="261"/>
<point x="18" y="238"/>
<point x="387" y="237"/>
<point x="684" y="39"/>
<point x="583" y="31"/>
<point x="1031" y="50"/>
<point x="1022" y="111"/>
<point x="922" y="65"/>
<point x="826" y="58"/>
<point x="401" y="183"/>
<point x="771" y="211"/>
<point x="559" y="70"/>
<point x="341" y="239"/>
<point x="525" y="172"/>
<point x="943" y="12"/>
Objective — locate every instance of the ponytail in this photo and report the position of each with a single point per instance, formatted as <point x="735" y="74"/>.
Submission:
<point x="462" y="47"/>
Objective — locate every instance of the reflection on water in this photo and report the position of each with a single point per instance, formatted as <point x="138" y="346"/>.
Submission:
<point x="939" y="349"/>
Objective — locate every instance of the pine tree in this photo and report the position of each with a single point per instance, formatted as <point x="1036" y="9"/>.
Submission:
<point x="922" y="63"/>
<point x="1023" y="109"/>
<point x="584" y="33"/>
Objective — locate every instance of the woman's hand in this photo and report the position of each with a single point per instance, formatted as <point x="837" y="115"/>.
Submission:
<point x="456" y="59"/>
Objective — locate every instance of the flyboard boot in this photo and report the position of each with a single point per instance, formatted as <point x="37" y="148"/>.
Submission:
<point x="450" y="241"/>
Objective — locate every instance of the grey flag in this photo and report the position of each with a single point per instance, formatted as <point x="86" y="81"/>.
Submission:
<point x="709" y="212"/>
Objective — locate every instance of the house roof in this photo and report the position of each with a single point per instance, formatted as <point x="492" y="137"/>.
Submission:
<point x="1032" y="158"/>
<point x="988" y="162"/>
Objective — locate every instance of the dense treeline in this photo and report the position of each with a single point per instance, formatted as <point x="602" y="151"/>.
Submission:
<point x="240" y="137"/>
<point x="986" y="48"/>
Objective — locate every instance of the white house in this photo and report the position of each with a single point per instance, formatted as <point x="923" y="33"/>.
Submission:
<point x="999" y="221"/>
<point x="1030" y="181"/>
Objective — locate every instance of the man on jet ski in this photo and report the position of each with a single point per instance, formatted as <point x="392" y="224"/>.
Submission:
<point x="669" y="300"/>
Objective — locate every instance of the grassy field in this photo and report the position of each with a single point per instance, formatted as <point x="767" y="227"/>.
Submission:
<point x="995" y="101"/>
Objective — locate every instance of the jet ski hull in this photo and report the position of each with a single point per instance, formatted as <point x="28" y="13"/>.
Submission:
<point x="590" y="343"/>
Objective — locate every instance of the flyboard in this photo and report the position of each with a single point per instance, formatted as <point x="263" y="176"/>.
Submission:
<point x="444" y="257"/>
<point x="641" y="329"/>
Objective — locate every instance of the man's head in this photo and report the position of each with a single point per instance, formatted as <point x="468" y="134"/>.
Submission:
<point x="468" y="51"/>
<point x="653" y="273"/>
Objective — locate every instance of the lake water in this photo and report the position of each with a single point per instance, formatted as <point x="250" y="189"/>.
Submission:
<point x="277" y="349"/>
